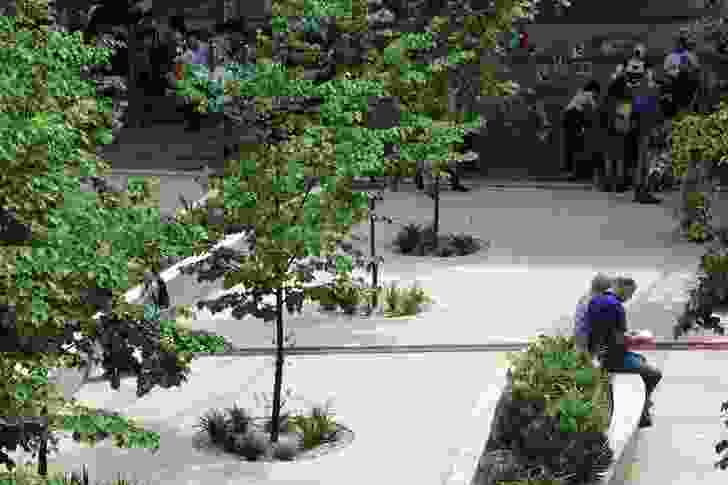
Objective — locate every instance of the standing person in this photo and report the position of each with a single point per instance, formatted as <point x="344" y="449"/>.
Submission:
<point x="163" y="56"/>
<point x="582" y="329"/>
<point x="577" y="117"/>
<point x="626" y="116"/>
<point x="197" y="54"/>
<point x="154" y="295"/>
<point x="197" y="42"/>
<point x="608" y="321"/>
<point x="682" y="70"/>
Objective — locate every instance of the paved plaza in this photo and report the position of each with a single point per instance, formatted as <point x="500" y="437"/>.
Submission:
<point x="417" y="415"/>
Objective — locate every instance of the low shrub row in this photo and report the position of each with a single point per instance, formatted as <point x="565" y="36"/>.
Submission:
<point x="354" y="294"/>
<point x="711" y="290"/>
<point x="420" y="241"/>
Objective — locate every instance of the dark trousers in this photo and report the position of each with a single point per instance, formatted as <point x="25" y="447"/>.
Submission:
<point x="193" y="118"/>
<point x="573" y="148"/>
<point x="651" y="376"/>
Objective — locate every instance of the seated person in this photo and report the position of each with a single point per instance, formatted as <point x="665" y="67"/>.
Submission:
<point x="607" y="318"/>
<point x="582" y="330"/>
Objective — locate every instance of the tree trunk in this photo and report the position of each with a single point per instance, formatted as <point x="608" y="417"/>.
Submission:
<point x="436" y="223"/>
<point x="135" y="93"/>
<point x="278" y="383"/>
<point x="43" y="450"/>
<point x="373" y="252"/>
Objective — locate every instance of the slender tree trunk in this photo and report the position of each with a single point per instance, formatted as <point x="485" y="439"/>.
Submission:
<point x="43" y="450"/>
<point x="436" y="223"/>
<point x="373" y="251"/>
<point x="134" y="91"/>
<point x="278" y="383"/>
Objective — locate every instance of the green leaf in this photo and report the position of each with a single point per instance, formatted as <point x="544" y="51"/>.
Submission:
<point x="585" y="377"/>
<point x="23" y="392"/>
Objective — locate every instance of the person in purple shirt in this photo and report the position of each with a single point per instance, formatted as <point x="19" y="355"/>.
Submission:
<point x="607" y="318"/>
<point x="599" y="284"/>
<point x="200" y="50"/>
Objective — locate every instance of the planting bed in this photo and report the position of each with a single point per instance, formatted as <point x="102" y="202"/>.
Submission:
<point x="343" y="437"/>
<point x="301" y="436"/>
<point x="551" y="420"/>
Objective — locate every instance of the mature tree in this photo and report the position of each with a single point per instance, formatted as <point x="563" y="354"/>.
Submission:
<point x="62" y="245"/>
<point x="319" y="128"/>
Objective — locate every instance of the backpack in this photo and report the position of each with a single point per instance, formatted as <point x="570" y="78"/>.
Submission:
<point x="623" y="117"/>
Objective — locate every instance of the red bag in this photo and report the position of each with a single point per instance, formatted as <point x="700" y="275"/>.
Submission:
<point x="179" y="70"/>
<point x="639" y="342"/>
<point x="524" y="40"/>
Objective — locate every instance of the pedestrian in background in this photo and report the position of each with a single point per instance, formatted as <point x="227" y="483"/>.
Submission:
<point x="577" y="117"/>
<point x="682" y="71"/>
<point x="154" y="296"/>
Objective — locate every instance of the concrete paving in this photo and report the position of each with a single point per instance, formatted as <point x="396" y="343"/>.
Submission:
<point x="680" y="447"/>
<point x="541" y="239"/>
<point x="412" y="418"/>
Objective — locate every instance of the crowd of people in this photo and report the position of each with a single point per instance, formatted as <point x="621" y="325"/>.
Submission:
<point x="635" y="105"/>
<point x="600" y="328"/>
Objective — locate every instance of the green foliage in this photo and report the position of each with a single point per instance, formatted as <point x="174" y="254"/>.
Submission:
<point x="551" y="369"/>
<point x="402" y="302"/>
<point x="79" y="240"/>
<point x="187" y="341"/>
<point x="722" y="445"/>
<point x="710" y="291"/>
<point x="698" y="232"/>
<point x="414" y="239"/>
<point x="25" y="475"/>
<point x="392" y="297"/>
<point x="571" y="411"/>
<point x="699" y="137"/>
<point x="316" y="428"/>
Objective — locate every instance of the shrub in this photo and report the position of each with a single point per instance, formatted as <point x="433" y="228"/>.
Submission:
<point x="188" y="340"/>
<point x="26" y="475"/>
<point x="711" y="290"/>
<point x="465" y="244"/>
<point x="408" y="238"/>
<point x="392" y="298"/>
<point x="404" y="302"/>
<point x="239" y="420"/>
<point x="315" y="429"/>
<point x="286" y="449"/>
<point x="251" y="445"/>
<point x="558" y="412"/>
<point x="413" y="239"/>
<point x="215" y="425"/>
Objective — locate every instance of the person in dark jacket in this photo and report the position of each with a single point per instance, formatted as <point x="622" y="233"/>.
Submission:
<point x="577" y="118"/>
<point x="608" y="322"/>
<point x="628" y="111"/>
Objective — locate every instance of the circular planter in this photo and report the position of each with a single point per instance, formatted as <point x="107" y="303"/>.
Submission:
<point x="344" y="437"/>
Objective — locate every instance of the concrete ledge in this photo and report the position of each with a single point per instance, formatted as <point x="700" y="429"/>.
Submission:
<point x="628" y="399"/>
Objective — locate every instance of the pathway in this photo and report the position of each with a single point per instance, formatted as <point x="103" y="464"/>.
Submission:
<point x="546" y="246"/>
